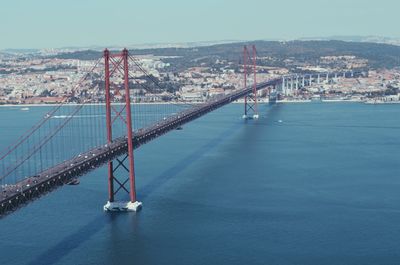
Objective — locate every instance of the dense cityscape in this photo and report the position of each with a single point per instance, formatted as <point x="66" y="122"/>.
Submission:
<point x="51" y="76"/>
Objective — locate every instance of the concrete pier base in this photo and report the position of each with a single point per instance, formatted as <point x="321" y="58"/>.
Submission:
<point x="122" y="206"/>
<point x="247" y="117"/>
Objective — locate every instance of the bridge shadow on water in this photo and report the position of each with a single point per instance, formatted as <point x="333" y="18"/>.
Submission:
<point x="55" y="253"/>
<point x="171" y="172"/>
<point x="184" y="163"/>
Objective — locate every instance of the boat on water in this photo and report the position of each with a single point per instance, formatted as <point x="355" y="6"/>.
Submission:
<point x="179" y="128"/>
<point x="73" y="181"/>
<point x="24" y="109"/>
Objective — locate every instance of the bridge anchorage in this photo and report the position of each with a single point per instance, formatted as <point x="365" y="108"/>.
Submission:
<point x="117" y="66"/>
<point x="250" y="100"/>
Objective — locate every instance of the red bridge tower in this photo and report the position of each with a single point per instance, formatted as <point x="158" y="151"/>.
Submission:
<point x="250" y="100"/>
<point x="117" y="66"/>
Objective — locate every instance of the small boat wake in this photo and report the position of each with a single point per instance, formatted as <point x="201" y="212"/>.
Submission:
<point x="75" y="116"/>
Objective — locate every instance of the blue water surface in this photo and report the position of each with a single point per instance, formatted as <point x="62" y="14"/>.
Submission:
<point x="314" y="183"/>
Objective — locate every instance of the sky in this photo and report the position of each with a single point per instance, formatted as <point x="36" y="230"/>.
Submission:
<point x="81" y="23"/>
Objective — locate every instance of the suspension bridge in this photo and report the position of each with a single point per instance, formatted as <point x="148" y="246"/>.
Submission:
<point x="72" y="139"/>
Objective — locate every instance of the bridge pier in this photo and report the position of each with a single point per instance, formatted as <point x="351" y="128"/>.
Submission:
<point x="291" y="85"/>
<point x="114" y="183"/>
<point x="272" y="95"/>
<point x="122" y="206"/>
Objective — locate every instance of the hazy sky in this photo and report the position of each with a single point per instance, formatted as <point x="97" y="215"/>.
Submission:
<point x="60" y="23"/>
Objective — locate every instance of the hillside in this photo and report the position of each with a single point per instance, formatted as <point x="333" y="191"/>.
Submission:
<point x="378" y="55"/>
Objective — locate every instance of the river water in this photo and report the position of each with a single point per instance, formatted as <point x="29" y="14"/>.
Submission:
<point x="314" y="183"/>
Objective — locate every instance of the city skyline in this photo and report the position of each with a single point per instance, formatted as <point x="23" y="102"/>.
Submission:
<point x="57" y="24"/>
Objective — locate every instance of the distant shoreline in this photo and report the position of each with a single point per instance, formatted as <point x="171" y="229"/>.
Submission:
<point x="95" y="104"/>
<point x="178" y="103"/>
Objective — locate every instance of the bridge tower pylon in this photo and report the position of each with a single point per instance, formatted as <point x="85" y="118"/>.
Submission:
<point x="250" y="100"/>
<point x="117" y="67"/>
